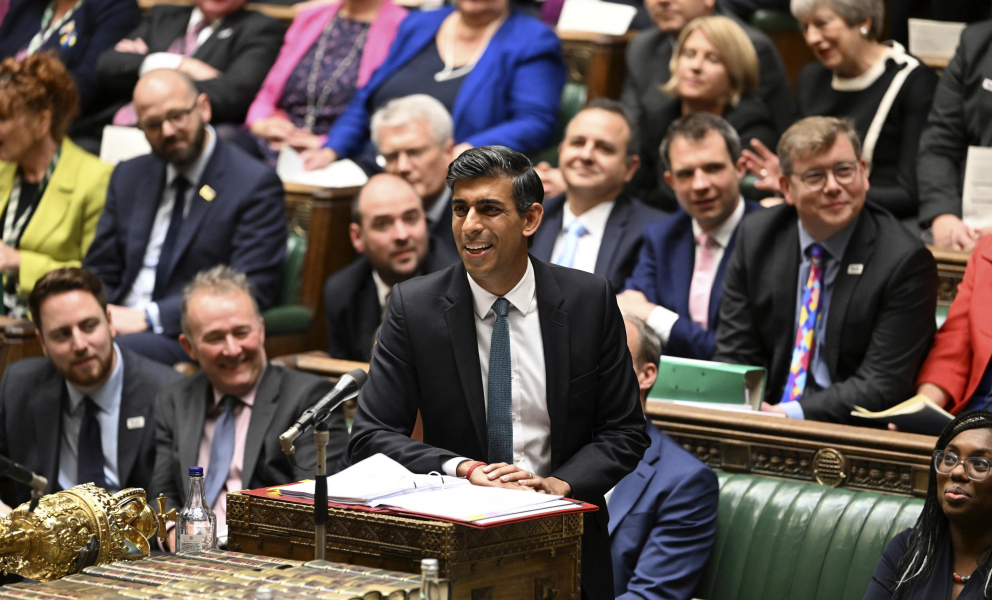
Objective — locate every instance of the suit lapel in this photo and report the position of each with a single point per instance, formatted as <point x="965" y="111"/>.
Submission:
<point x="631" y="488"/>
<point x="209" y="47"/>
<point x="129" y="440"/>
<point x="369" y="315"/>
<point x="48" y="405"/>
<point x="716" y="293"/>
<point x="683" y="264"/>
<point x="859" y="251"/>
<point x="460" y="320"/>
<point x="544" y="240"/>
<point x="785" y="287"/>
<point x="555" y="334"/>
<point x="262" y="412"/>
<point x="148" y="196"/>
<point x="192" y="413"/>
<point x="212" y="177"/>
<point x="55" y="201"/>
<point x="613" y="233"/>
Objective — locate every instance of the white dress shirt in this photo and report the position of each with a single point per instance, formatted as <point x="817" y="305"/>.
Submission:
<point x="587" y="249"/>
<point x="108" y="400"/>
<point x="382" y="291"/>
<point x="531" y="422"/>
<point x="167" y="60"/>
<point x="140" y="295"/>
<point x="661" y="319"/>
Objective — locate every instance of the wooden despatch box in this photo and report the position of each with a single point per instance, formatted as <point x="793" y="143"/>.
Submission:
<point x="537" y="559"/>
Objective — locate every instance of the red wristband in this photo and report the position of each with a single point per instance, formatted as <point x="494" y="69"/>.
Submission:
<point x="474" y="466"/>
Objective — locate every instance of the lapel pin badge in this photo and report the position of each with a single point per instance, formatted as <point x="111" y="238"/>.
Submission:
<point x="856" y="269"/>
<point x="135" y="422"/>
<point x="207" y="193"/>
<point x="224" y="33"/>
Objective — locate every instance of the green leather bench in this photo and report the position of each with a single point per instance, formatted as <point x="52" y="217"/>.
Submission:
<point x="573" y="99"/>
<point x="781" y="540"/>
<point x="288" y="317"/>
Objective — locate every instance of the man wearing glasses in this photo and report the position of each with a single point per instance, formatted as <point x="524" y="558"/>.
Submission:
<point x="194" y="203"/>
<point x="832" y="296"/>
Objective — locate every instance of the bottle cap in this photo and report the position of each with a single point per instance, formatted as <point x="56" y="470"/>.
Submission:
<point x="196" y="471"/>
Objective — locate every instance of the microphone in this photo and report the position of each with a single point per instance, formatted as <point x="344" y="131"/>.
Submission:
<point x="346" y="389"/>
<point x="9" y="468"/>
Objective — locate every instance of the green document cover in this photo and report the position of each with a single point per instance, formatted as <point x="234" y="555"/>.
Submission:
<point x="686" y="380"/>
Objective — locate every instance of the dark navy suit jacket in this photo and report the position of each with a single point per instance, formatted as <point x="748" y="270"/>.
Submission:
<point x="510" y="97"/>
<point x="621" y="238"/>
<point x="98" y="25"/>
<point x="242" y="224"/>
<point x="664" y="273"/>
<point x="662" y="523"/>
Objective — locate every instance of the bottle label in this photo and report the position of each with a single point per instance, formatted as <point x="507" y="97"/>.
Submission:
<point x="191" y="543"/>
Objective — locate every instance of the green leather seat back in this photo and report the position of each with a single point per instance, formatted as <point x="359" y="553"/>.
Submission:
<point x="779" y="540"/>
<point x="288" y="316"/>
<point x="573" y="99"/>
<point x="771" y="21"/>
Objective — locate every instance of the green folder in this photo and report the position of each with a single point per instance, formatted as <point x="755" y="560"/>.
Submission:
<point x="701" y="381"/>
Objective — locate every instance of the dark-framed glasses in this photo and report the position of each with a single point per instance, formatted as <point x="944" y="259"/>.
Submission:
<point x="176" y="118"/>
<point x="976" y="468"/>
<point x="816" y="179"/>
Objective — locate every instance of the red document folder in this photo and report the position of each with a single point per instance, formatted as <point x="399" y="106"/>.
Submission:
<point x="272" y="493"/>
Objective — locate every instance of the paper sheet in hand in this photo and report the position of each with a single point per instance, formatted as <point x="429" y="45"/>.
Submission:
<point x="594" y="16"/>
<point x="123" y="143"/>
<point x="338" y="174"/>
<point x="373" y="479"/>
<point x="917" y="415"/>
<point x="976" y="209"/>
<point x="934" y="39"/>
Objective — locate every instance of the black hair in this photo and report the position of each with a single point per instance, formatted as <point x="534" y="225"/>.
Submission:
<point x="932" y="528"/>
<point x="695" y="126"/>
<point x="618" y="108"/>
<point x="499" y="162"/>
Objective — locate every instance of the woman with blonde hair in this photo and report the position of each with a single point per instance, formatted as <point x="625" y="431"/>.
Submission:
<point x="51" y="191"/>
<point x="715" y="70"/>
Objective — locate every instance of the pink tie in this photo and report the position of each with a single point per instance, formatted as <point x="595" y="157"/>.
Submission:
<point x="702" y="281"/>
<point x="185" y="45"/>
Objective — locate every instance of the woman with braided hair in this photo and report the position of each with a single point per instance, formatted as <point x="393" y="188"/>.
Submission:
<point x="947" y="554"/>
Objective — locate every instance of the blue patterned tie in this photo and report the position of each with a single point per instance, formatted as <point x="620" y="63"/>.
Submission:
<point x="221" y="451"/>
<point x="575" y="230"/>
<point x="499" y="419"/>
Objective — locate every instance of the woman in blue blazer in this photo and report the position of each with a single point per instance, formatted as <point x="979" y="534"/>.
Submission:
<point x="76" y="34"/>
<point x="509" y="97"/>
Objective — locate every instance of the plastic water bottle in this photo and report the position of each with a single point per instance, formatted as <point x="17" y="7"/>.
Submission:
<point x="430" y="586"/>
<point x="196" y="525"/>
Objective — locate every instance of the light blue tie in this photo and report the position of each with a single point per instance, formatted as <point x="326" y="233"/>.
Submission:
<point x="575" y="230"/>
<point x="499" y="420"/>
<point x="221" y="451"/>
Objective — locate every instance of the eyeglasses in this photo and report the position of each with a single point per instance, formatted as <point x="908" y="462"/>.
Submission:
<point x="816" y="179"/>
<point x="176" y="118"/>
<point x="977" y="469"/>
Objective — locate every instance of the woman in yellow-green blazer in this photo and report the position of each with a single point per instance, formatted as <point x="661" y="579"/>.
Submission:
<point x="51" y="191"/>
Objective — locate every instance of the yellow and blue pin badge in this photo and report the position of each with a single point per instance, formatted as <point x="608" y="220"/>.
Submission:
<point x="68" y="35"/>
<point x="207" y="193"/>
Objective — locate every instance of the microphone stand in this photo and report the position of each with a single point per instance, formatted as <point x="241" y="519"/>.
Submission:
<point x="321" y="435"/>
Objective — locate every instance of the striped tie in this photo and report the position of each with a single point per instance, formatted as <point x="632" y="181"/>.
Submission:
<point x="808" y="315"/>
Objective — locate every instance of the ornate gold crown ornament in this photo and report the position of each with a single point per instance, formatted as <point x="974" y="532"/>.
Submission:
<point x="76" y="528"/>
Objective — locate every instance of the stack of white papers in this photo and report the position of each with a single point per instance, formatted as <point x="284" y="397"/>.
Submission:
<point x="381" y="481"/>
<point x="339" y="174"/>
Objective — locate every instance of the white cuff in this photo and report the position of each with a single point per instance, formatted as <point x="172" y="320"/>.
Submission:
<point x="151" y="311"/>
<point x="450" y="466"/>
<point x="160" y="60"/>
<point x="662" y="320"/>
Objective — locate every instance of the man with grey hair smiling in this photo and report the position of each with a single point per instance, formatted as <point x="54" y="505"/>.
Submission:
<point x="414" y="136"/>
<point x="227" y="418"/>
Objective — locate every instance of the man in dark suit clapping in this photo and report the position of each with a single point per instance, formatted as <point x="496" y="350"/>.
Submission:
<point x="833" y="296"/>
<point x="510" y="361"/>
<point x="194" y="203"/>
<point x="594" y="225"/>
<point x="390" y="232"/>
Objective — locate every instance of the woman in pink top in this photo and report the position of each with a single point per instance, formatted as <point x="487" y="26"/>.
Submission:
<point x="329" y="53"/>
